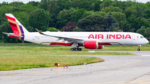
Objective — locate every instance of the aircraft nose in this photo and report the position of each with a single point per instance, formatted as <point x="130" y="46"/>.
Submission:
<point x="147" y="41"/>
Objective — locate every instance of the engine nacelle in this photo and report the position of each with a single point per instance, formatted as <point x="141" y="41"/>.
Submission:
<point x="92" y="45"/>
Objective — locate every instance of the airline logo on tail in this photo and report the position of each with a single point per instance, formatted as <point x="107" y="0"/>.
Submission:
<point x="16" y="27"/>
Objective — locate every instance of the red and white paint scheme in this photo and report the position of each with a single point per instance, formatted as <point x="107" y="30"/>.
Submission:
<point x="90" y="40"/>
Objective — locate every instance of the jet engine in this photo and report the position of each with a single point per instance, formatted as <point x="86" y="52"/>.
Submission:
<point x="92" y="45"/>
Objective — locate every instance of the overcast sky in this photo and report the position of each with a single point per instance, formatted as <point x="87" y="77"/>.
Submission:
<point x="26" y="1"/>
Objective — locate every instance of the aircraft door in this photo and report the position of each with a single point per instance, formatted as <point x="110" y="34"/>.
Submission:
<point x="133" y="36"/>
<point x="33" y="37"/>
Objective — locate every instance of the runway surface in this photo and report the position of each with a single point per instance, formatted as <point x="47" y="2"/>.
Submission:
<point x="117" y="69"/>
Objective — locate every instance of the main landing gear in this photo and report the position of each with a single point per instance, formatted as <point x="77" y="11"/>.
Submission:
<point x="138" y="47"/>
<point x="76" y="49"/>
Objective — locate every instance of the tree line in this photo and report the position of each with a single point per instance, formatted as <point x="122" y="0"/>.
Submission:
<point x="77" y="15"/>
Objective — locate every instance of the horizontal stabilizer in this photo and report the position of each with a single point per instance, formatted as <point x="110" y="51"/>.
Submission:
<point x="12" y="34"/>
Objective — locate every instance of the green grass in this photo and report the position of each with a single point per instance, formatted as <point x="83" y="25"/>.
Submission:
<point x="42" y="51"/>
<point x="25" y="56"/>
<point x="26" y="62"/>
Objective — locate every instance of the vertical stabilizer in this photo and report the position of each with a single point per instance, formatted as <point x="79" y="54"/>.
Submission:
<point x="16" y="26"/>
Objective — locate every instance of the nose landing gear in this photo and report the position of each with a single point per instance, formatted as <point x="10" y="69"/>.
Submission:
<point x="138" y="47"/>
<point x="76" y="49"/>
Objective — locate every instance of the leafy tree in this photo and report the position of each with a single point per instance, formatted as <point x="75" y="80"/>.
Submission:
<point x="28" y="8"/>
<point x="139" y="10"/>
<point x="117" y="3"/>
<point x="72" y="15"/>
<point x="127" y="27"/>
<point x="111" y="9"/>
<point x="87" y="13"/>
<point x="92" y="7"/>
<point x="52" y="7"/>
<point x="52" y="29"/>
<point x="5" y="3"/>
<point x="91" y="23"/>
<point x="106" y="3"/>
<point x="5" y="27"/>
<point x="120" y="18"/>
<point x="144" y="22"/>
<point x="16" y="5"/>
<point x="133" y="21"/>
<point x="79" y="14"/>
<point x="62" y="17"/>
<point x="43" y="4"/>
<point x="5" y="9"/>
<point x="86" y="4"/>
<point x="2" y="19"/>
<point x="64" y="4"/>
<point x="33" y="3"/>
<point x="126" y="4"/>
<point x="77" y="29"/>
<point x="97" y="5"/>
<point x="142" y="31"/>
<point x="39" y="19"/>
<point x="130" y="11"/>
<point x="30" y="29"/>
<point x="69" y="26"/>
<point x="147" y="13"/>
<point x="148" y="31"/>
<point x="116" y="30"/>
<point x="110" y="22"/>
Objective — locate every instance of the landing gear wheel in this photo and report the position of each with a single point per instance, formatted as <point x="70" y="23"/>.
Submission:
<point x="76" y="49"/>
<point x="138" y="49"/>
<point x="79" y="49"/>
<point x="72" y="49"/>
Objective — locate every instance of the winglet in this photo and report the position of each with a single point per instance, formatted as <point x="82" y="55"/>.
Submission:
<point x="39" y="31"/>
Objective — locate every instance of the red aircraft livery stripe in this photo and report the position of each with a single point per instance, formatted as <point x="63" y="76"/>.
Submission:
<point x="104" y="44"/>
<point x="10" y="18"/>
<point x="64" y="44"/>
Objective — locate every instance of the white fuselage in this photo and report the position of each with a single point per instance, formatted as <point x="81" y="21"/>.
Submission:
<point x="106" y="38"/>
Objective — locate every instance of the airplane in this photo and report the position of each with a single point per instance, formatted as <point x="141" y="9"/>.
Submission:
<point x="89" y="40"/>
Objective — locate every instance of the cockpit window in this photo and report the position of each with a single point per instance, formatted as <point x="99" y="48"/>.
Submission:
<point x="141" y="37"/>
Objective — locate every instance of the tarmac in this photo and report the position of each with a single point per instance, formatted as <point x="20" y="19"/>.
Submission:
<point x="116" y="69"/>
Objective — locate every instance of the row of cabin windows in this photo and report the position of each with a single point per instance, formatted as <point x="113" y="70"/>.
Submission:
<point x="79" y="36"/>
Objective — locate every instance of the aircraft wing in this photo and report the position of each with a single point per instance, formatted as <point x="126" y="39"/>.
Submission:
<point x="61" y="37"/>
<point x="12" y="34"/>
